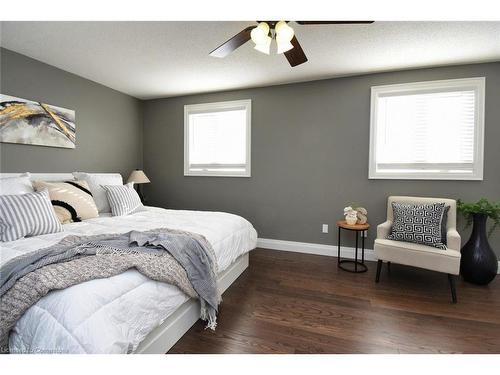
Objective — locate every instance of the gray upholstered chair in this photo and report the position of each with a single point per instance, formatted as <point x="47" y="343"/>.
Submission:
<point x="422" y="256"/>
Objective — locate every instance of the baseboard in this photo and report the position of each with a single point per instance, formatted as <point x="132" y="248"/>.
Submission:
<point x="313" y="248"/>
<point x="317" y="249"/>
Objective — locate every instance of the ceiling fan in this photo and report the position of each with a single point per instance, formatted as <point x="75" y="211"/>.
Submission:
<point x="264" y="32"/>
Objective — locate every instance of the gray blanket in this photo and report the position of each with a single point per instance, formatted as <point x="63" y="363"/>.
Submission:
<point x="180" y="258"/>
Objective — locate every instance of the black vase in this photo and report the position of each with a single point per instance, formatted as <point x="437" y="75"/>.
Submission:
<point x="479" y="263"/>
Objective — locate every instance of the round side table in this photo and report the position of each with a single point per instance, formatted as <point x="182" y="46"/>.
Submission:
<point x="358" y="266"/>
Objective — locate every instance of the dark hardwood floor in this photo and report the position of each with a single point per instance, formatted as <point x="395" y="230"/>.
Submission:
<point x="298" y="303"/>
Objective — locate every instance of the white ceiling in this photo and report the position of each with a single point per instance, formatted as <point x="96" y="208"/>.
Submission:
<point x="161" y="59"/>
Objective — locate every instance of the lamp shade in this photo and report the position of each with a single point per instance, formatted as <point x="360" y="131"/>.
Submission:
<point x="283" y="45"/>
<point x="265" y="46"/>
<point x="260" y="33"/>
<point x="138" y="177"/>
<point x="283" y="31"/>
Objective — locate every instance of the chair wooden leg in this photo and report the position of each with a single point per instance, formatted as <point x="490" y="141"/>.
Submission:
<point x="379" y="268"/>
<point x="451" y="280"/>
<point x="388" y="266"/>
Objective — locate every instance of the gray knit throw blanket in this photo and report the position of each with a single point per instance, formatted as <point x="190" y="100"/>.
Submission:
<point x="180" y="258"/>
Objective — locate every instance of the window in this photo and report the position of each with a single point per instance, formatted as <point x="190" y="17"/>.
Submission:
<point x="217" y="139"/>
<point x="428" y="130"/>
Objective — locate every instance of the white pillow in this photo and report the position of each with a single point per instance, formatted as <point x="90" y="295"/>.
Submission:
<point x="16" y="185"/>
<point x="95" y="180"/>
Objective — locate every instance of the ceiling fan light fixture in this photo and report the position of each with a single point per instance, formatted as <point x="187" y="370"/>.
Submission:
<point x="283" y="45"/>
<point x="263" y="33"/>
<point x="265" y="46"/>
<point x="283" y="31"/>
<point x="260" y="33"/>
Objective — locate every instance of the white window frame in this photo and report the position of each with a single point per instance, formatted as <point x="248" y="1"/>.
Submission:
<point x="214" y="107"/>
<point x="477" y="84"/>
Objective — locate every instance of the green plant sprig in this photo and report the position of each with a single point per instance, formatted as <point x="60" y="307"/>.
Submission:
<point x="482" y="206"/>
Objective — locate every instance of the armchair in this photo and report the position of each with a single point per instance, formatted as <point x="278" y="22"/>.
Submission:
<point x="416" y="255"/>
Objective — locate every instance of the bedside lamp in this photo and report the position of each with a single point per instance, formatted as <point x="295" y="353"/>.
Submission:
<point x="139" y="177"/>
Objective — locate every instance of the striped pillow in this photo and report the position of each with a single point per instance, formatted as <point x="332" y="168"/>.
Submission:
<point x="123" y="199"/>
<point x="29" y="214"/>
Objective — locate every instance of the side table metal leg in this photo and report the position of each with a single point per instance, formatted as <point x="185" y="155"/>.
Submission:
<point x="338" y="247"/>
<point x="363" y="247"/>
<point x="356" y="254"/>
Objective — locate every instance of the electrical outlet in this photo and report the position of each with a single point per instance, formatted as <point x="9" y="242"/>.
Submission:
<point x="325" y="228"/>
<point x="365" y="233"/>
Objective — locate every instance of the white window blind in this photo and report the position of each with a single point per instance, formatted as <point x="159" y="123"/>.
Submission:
<point x="217" y="139"/>
<point x="427" y="130"/>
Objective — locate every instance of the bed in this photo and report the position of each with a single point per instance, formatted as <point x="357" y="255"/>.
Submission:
<point x="126" y="313"/>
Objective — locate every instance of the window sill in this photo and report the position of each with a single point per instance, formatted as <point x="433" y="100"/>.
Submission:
<point x="215" y="174"/>
<point x="423" y="176"/>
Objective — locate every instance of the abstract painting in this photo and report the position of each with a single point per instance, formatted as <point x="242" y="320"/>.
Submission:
<point x="35" y="123"/>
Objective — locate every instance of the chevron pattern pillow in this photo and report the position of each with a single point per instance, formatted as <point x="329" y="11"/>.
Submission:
<point x="418" y="223"/>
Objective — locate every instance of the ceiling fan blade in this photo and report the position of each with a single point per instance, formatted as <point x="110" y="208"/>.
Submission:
<point x="236" y="41"/>
<point x="296" y="55"/>
<point x="331" y="22"/>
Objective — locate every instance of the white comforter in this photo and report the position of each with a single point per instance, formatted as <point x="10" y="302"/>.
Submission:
<point x="114" y="315"/>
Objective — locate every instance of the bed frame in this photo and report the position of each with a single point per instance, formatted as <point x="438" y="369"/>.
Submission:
<point x="162" y="338"/>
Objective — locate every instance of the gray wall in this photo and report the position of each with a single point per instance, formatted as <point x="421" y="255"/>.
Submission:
<point x="309" y="146"/>
<point x="309" y="156"/>
<point x="108" y="123"/>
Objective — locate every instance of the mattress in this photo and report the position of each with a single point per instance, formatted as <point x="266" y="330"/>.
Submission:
<point x="115" y="314"/>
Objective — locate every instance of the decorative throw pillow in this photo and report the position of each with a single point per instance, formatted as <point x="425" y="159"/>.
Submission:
<point x="123" y="199"/>
<point x="29" y="214"/>
<point x="72" y="200"/>
<point x="16" y="185"/>
<point x="95" y="182"/>
<point x="419" y="223"/>
<point x="444" y="232"/>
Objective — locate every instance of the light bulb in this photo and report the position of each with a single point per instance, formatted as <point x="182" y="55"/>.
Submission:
<point x="260" y="33"/>
<point x="265" y="46"/>
<point x="283" y="31"/>
<point x="283" y="45"/>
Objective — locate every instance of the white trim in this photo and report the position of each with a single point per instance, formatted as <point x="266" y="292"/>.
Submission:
<point x="476" y="83"/>
<point x="318" y="249"/>
<point x="162" y="338"/>
<point x="53" y="176"/>
<point x="213" y="107"/>
<point x="314" y="248"/>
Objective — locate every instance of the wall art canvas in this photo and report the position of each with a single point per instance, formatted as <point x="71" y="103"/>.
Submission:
<point x="35" y="123"/>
